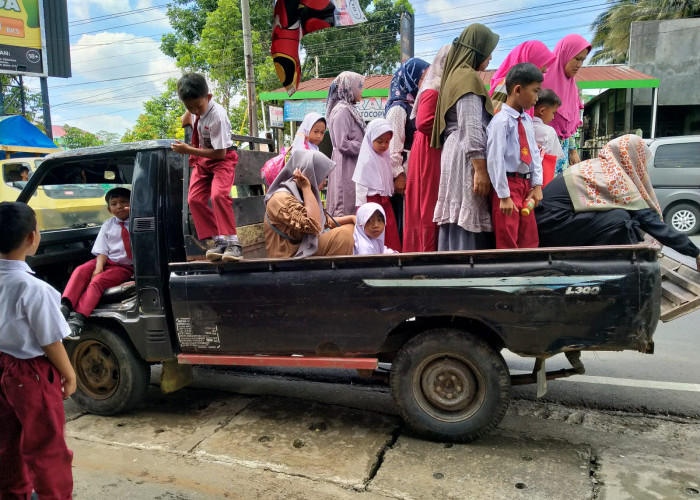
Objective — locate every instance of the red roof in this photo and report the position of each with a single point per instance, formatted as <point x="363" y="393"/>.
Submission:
<point x="57" y="131"/>
<point x="585" y="74"/>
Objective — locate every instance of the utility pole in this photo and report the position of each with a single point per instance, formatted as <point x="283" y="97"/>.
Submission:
<point x="406" y="32"/>
<point x="316" y="57"/>
<point x="249" y="73"/>
<point x="46" y="109"/>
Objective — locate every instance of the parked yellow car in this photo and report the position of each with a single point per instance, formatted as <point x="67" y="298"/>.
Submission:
<point x="57" y="206"/>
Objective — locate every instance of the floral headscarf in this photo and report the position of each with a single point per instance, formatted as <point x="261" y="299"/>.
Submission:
<point x="342" y="93"/>
<point x="618" y="178"/>
<point x="567" y="118"/>
<point x="404" y="84"/>
<point x="433" y="75"/>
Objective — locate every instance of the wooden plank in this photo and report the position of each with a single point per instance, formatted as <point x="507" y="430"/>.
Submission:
<point x="680" y="289"/>
<point x="249" y="165"/>
<point x="682" y="281"/>
<point x="690" y="274"/>
<point x="681" y="310"/>
<point x="675" y="293"/>
<point x="249" y="210"/>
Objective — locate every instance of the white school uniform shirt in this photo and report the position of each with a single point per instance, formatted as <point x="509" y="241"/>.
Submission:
<point x="214" y="128"/>
<point x="546" y="139"/>
<point x="109" y="242"/>
<point x="30" y="312"/>
<point x="503" y="150"/>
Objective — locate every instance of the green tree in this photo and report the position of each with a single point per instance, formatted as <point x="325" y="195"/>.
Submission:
<point x="108" y="138"/>
<point x="160" y="119"/>
<point x="368" y="48"/>
<point x="11" y="93"/>
<point x="611" y="36"/>
<point x="77" y="138"/>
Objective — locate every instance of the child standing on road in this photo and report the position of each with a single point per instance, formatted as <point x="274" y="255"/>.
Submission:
<point x="545" y="136"/>
<point x="112" y="266"/>
<point x="373" y="177"/>
<point x="35" y="373"/>
<point x="369" y="230"/>
<point x="515" y="172"/>
<point x="213" y="163"/>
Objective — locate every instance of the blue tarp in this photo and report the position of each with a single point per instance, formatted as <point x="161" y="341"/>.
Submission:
<point x="18" y="131"/>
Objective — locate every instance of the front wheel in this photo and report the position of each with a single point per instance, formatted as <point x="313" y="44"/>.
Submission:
<point x="112" y="378"/>
<point x="450" y="385"/>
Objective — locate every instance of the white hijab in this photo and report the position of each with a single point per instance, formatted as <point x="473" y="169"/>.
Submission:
<point x="300" y="141"/>
<point x="373" y="170"/>
<point x="364" y="245"/>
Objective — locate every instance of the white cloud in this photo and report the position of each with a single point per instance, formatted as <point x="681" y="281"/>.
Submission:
<point x="93" y="124"/>
<point x="79" y="10"/>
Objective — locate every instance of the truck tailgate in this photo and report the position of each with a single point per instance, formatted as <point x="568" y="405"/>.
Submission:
<point x="680" y="289"/>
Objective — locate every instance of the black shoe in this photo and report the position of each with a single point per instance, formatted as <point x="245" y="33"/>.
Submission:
<point x="76" y="325"/>
<point x="233" y="251"/>
<point x="65" y="311"/>
<point x="216" y="252"/>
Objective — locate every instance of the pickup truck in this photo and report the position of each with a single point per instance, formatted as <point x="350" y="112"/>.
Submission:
<point x="438" y="319"/>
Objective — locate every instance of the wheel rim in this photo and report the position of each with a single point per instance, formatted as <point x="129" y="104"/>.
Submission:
<point x="448" y="388"/>
<point x="683" y="220"/>
<point x="96" y="368"/>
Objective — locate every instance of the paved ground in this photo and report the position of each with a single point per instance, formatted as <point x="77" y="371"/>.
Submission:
<point x="346" y="442"/>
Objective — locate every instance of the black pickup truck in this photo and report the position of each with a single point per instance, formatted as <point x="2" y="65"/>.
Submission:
<point x="439" y="319"/>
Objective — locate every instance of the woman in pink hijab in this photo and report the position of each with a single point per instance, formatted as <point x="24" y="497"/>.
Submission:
<point x="569" y="53"/>
<point x="532" y="51"/>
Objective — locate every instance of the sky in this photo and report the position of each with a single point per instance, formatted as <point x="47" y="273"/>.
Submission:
<point x="117" y="64"/>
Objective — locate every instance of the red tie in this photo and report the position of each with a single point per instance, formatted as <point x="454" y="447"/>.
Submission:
<point x="125" y="239"/>
<point x="195" y="132"/>
<point x="524" y="146"/>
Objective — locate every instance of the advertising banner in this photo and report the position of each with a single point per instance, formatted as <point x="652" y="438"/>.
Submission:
<point x="21" y="37"/>
<point x="369" y="108"/>
<point x="276" y="116"/>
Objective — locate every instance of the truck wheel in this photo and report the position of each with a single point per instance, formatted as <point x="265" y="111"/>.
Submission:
<point x="684" y="218"/>
<point x="450" y="385"/>
<point x="111" y="377"/>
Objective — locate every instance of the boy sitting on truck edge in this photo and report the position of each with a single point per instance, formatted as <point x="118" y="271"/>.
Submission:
<point x="33" y="451"/>
<point x="513" y="160"/>
<point x="112" y="266"/>
<point x="213" y="162"/>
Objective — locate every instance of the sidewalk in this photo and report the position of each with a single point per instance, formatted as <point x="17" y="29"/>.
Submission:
<point x="204" y="444"/>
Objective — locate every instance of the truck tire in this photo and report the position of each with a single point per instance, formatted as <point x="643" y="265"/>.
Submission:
<point x="450" y="386"/>
<point x="684" y="218"/>
<point x="112" y="378"/>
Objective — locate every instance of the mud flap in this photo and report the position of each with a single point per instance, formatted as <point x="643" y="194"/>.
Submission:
<point x="174" y="376"/>
<point x="680" y="289"/>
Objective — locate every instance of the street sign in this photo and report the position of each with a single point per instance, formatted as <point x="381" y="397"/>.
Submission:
<point x="276" y="116"/>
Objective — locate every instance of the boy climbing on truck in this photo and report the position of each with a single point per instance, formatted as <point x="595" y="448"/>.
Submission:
<point x="35" y="372"/>
<point x="112" y="265"/>
<point x="213" y="162"/>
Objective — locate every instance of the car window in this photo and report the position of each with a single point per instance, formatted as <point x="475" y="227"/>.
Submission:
<point x="73" y="196"/>
<point x="16" y="172"/>
<point x="681" y="155"/>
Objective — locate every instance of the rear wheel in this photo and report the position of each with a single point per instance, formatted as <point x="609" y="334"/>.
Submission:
<point x="684" y="218"/>
<point x="112" y="378"/>
<point x="450" y="385"/>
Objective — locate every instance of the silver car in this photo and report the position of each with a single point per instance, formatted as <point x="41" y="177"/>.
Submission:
<point x="675" y="175"/>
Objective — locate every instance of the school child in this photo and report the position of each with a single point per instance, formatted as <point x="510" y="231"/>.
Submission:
<point x="545" y="136"/>
<point x="35" y="372"/>
<point x="213" y="162"/>
<point x="112" y="265"/>
<point x="308" y="136"/>
<point x="369" y="230"/>
<point x="513" y="160"/>
<point x="373" y="177"/>
<point x="310" y="132"/>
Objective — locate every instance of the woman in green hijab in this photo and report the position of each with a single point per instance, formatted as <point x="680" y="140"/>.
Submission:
<point x="464" y="109"/>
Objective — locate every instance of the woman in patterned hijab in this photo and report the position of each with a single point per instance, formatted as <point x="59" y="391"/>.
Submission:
<point x="608" y="200"/>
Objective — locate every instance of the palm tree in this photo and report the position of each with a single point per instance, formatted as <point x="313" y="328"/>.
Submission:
<point x="612" y="27"/>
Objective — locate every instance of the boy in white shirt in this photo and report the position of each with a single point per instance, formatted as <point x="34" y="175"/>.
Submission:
<point x="546" y="137"/>
<point x="112" y="265"/>
<point x="513" y="160"/>
<point x="35" y="372"/>
<point x="213" y="162"/>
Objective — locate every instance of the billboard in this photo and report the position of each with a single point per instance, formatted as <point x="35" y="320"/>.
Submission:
<point x="22" y="37"/>
<point x="368" y="107"/>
